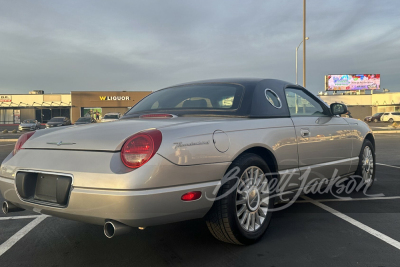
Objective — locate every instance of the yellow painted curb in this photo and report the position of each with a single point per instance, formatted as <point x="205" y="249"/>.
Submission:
<point x="383" y="132"/>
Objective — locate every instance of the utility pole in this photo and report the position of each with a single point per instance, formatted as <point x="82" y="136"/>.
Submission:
<point x="304" y="43"/>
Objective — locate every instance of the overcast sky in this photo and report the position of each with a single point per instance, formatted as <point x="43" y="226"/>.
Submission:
<point x="63" y="46"/>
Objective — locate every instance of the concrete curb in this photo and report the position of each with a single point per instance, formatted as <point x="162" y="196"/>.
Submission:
<point x="8" y="140"/>
<point x="389" y="131"/>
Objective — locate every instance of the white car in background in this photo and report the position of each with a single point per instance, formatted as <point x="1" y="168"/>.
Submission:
<point x="391" y="116"/>
<point x="111" y="117"/>
<point x="29" y="125"/>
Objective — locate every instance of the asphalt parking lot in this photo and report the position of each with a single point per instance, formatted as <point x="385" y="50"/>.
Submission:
<point x="318" y="231"/>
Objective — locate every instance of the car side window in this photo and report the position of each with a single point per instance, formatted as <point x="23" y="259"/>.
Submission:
<point x="301" y="104"/>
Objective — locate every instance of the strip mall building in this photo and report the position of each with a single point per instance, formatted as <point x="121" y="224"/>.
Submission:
<point x="361" y="105"/>
<point x="42" y="107"/>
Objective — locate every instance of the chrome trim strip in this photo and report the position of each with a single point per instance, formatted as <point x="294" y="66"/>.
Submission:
<point x="147" y="191"/>
<point x="288" y="171"/>
<point x="328" y="163"/>
<point x="318" y="165"/>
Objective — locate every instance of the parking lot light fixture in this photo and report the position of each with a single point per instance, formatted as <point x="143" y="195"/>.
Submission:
<point x="297" y="48"/>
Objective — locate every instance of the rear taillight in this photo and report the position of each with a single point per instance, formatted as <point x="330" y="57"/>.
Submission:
<point x="21" y="141"/>
<point x="191" y="196"/>
<point x="140" y="148"/>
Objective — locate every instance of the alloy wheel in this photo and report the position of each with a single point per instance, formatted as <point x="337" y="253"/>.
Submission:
<point x="252" y="199"/>
<point x="367" y="165"/>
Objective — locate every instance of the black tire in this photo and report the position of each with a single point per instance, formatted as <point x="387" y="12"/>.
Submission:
<point x="222" y="219"/>
<point x="359" y="172"/>
<point x="391" y="120"/>
<point x="375" y="120"/>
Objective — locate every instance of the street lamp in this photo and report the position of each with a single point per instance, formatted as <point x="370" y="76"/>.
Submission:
<point x="304" y="44"/>
<point x="297" y="48"/>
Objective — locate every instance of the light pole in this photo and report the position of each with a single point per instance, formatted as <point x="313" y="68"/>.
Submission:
<point x="304" y="45"/>
<point x="297" y="48"/>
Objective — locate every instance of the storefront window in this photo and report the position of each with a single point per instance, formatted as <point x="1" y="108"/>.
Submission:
<point x="6" y="116"/>
<point x="43" y="115"/>
<point x="95" y="113"/>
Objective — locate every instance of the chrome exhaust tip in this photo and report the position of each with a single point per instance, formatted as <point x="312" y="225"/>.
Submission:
<point x="113" y="228"/>
<point x="8" y="207"/>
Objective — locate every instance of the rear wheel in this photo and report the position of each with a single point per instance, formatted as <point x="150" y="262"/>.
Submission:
<point x="391" y="120"/>
<point x="375" y="120"/>
<point x="241" y="214"/>
<point x="366" y="165"/>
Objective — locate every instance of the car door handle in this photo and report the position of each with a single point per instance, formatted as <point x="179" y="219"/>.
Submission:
<point x="305" y="133"/>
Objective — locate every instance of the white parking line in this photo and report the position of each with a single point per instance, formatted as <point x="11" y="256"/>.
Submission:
<point x="8" y="145"/>
<point x="19" y="217"/>
<point x="397" y="167"/>
<point x="349" y="199"/>
<point x="20" y="234"/>
<point x="358" y="224"/>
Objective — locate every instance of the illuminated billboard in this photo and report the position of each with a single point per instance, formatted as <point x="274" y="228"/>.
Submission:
<point x="348" y="82"/>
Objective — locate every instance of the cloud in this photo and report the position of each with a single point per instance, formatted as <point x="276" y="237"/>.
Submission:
<point x="62" y="46"/>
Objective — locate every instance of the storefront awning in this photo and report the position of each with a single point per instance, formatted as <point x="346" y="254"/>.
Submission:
<point x="33" y="104"/>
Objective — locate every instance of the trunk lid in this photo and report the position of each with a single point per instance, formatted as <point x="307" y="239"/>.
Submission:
<point x="108" y="136"/>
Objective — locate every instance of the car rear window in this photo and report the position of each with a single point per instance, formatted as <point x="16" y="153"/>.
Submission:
<point x="192" y="97"/>
<point x="56" y="120"/>
<point x="111" y="117"/>
<point x="84" y="119"/>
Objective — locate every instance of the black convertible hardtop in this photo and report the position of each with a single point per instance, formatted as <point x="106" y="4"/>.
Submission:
<point x="253" y="104"/>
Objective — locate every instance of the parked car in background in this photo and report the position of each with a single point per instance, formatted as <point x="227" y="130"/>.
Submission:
<point x="367" y="118"/>
<point x="57" y="122"/>
<point x="391" y="117"/>
<point x="85" y="120"/>
<point x="209" y="149"/>
<point x="111" y="117"/>
<point x="374" y="118"/>
<point x="29" y="125"/>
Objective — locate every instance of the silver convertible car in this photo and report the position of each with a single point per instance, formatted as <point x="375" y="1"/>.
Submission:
<point x="209" y="149"/>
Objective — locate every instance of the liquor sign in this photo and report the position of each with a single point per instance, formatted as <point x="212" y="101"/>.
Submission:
<point x="115" y="98"/>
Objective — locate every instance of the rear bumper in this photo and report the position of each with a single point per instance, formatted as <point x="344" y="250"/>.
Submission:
<point x="132" y="207"/>
<point x="103" y="188"/>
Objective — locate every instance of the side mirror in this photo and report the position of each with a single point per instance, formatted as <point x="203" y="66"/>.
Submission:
<point x="338" y="108"/>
